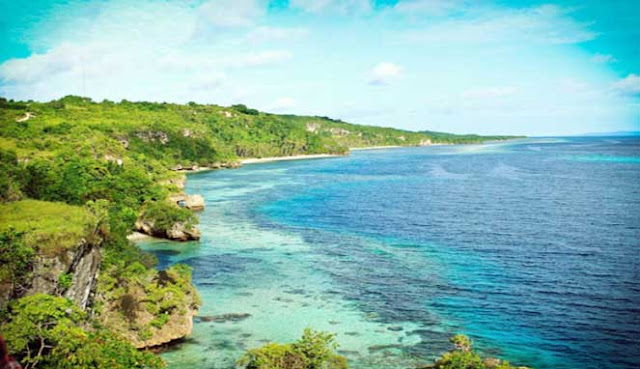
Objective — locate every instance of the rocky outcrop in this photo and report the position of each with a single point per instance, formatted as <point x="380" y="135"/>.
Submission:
<point x="150" y="136"/>
<point x="313" y="127"/>
<point x="425" y="142"/>
<point x="178" y="231"/>
<point x="152" y="309"/>
<point x="72" y="274"/>
<point x="177" y="327"/>
<point x="194" y="202"/>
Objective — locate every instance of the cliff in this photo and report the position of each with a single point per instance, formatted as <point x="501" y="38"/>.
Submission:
<point x="59" y="250"/>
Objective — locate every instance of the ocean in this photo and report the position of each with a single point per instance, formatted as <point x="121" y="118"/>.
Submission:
<point x="530" y="247"/>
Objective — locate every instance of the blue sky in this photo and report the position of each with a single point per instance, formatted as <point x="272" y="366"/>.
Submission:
<point x="513" y="67"/>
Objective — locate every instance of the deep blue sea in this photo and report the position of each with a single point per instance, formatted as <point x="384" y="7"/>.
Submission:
<point x="531" y="247"/>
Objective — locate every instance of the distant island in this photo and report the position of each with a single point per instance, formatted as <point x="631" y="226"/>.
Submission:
<point x="77" y="177"/>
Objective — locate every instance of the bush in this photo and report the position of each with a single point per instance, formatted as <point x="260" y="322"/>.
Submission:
<point x="47" y="332"/>
<point x="463" y="357"/>
<point x="16" y="261"/>
<point x="314" y="350"/>
<point x="241" y="108"/>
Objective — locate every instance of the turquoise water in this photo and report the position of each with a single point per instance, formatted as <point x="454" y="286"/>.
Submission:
<point x="529" y="247"/>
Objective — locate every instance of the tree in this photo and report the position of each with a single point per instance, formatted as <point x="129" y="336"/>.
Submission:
<point x="44" y="331"/>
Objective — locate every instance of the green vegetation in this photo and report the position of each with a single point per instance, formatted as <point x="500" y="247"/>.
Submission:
<point x="44" y="331"/>
<point x="314" y="350"/>
<point x="165" y="215"/>
<point x="450" y="138"/>
<point x="463" y="357"/>
<point x="16" y="263"/>
<point x="52" y="227"/>
<point x="136" y="301"/>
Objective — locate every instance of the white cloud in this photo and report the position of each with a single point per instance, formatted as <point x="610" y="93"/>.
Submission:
<point x="428" y="7"/>
<point x="232" y="13"/>
<point x="266" y="34"/>
<point x="630" y="85"/>
<point x="126" y="53"/>
<point x="603" y="58"/>
<point x="384" y="74"/>
<point x="489" y="92"/>
<point x="342" y="7"/>
<point x="542" y="24"/>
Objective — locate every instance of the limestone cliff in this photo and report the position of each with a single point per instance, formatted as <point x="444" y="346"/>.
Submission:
<point x="80" y="266"/>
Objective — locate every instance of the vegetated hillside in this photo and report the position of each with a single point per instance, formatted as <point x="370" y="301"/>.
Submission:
<point x="76" y="175"/>
<point x="185" y="134"/>
<point x="450" y="138"/>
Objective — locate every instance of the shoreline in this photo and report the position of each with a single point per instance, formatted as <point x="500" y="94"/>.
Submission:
<point x="287" y="158"/>
<point x="138" y="236"/>
<point x="376" y="147"/>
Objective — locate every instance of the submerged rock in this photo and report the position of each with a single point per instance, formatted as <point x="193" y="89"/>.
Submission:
<point x="222" y="318"/>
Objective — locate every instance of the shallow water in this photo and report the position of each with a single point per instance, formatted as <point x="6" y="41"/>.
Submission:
<point x="530" y="247"/>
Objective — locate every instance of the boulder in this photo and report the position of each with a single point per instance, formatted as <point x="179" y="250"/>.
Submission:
<point x="178" y="231"/>
<point x="194" y="202"/>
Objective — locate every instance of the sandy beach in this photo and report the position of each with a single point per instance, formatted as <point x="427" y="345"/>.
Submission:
<point x="374" y="148"/>
<point x="284" y="158"/>
<point x="137" y="236"/>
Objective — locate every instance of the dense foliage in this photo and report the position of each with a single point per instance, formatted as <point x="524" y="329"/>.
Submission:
<point x="44" y="331"/>
<point x="449" y="138"/>
<point x="463" y="357"/>
<point x="314" y="350"/>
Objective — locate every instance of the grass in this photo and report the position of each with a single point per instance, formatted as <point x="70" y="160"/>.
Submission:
<point x="51" y="227"/>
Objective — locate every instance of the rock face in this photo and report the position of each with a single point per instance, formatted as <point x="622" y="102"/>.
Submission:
<point x="178" y="326"/>
<point x="150" y="136"/>
<point x="178" y="232"/>
<point x="81" y="264"/>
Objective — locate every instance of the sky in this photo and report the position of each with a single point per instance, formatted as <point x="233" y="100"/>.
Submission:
<point x="481" y="66"/>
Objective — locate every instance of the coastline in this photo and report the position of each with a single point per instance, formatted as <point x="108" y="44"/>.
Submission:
<point x="286" y="158"/>
<point x="138" y="236"/>
<point x="376" y="147"/>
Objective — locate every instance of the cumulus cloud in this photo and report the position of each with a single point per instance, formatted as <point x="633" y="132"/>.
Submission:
<point x="541" y="24"/>
<point x="428" y="7"/>
<point x="342" y="7"/>
<point x="630" y="85"/>
<point x="128" y="54"/>
<point x="232" y="13"/>
<point x="603" y="58"/>
<point x="384" y="74"/>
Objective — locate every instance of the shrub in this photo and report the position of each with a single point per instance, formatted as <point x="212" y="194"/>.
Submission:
<point x="463" y="357"/>
<point x="44" y="331"/>
<point x="314" y="350"/>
